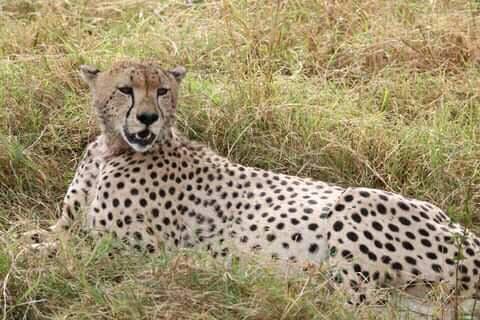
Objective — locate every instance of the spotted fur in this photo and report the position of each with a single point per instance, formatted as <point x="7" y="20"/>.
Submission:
<point x="177" y="193"/>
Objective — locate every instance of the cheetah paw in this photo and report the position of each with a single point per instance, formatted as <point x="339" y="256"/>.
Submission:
<point x="39" y="242"/>
<point x="33" y="237"/>
<point x="48" y="249"/>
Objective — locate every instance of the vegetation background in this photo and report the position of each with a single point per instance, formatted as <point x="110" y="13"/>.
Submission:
<point x="374" y="93"/>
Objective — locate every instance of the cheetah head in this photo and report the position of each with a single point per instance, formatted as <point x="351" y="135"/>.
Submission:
<point x="134" y="102"/>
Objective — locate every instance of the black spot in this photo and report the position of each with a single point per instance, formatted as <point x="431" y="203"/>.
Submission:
<point x="364" y="249"/>
<point x="313" y="248"/>
<point x="271" y="237"/>
<point x="410" y="235"/>
<point x="431" y="255"/>
<point x="462" y="269"/>
<point x="297" y="237"/>
<point x="442" y="249"/>
<point x="381" y="209"/>
<point x="366" y="277"/>
<point x="347" y="254"/>
<point x="378" y="244"/>
<point x="470" y="252"/>
<point x="477" y="263"/>
<point x="426" y="243"/>
<point x="415" y="272"/>
<point x="437" y="268"/>
<point x="364" y="194"/>
<point x="423" y="232"/>
<point x="357" y="268"/>
<point x="393" y="227"/>
<point x="407" y="245"/>
<point x="356" y="217"/>
<point x="386" y="259"/>
<point x="352" y="236"/>
<point x="294" y="221"/>
<point x="333" y="251"/>
<point x="377" y="226"/>
<point x="404" y="221"/>
<point x="337" y="226"/>
<point x="390" y="247"/>
<point x="397" y="266"/>
<point x="403" y="206"/>
<point x="411" y="260"/>
<point x="150" y="248"/>
<point x="368" y="235"/>
<point x="430" y="226"/>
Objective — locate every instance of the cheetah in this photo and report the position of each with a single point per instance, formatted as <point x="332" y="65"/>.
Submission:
<point x="146" y="184"/>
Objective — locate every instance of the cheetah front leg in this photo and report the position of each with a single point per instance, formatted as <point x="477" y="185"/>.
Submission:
<point x="76" y="201"/>
<point x="81" y="191"/>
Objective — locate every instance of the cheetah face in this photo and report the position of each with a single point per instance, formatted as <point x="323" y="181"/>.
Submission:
<point x="135" y="102"/>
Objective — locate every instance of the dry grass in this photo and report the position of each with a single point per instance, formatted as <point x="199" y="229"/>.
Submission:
<point x="374" y="93"/>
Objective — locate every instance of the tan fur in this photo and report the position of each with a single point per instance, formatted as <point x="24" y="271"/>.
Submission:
<point x="111" y="106"/>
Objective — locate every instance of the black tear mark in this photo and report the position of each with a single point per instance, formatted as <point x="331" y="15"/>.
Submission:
<point x="131" y="107"/>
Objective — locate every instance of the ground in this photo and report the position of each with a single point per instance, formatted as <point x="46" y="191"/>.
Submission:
<point x="371" y="93"/>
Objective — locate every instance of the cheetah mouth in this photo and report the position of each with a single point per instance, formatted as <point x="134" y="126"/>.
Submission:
<point x="141" y="139"/>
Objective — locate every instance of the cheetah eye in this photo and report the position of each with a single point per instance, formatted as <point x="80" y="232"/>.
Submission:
<point x="126" y="90"/>
<point x="162" y="91"/>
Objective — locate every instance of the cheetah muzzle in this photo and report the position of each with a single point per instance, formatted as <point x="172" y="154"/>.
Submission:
<point x="143" y="139"/>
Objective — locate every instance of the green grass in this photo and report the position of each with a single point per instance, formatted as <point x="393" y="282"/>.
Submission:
<point x="382" y="94"/>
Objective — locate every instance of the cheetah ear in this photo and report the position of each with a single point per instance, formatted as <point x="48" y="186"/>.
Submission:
<point x="89" y="74"/>
<point x="178" y="73"/>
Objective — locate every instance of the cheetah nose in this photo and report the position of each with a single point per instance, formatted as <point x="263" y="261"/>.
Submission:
<point x="147" y="118"/>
